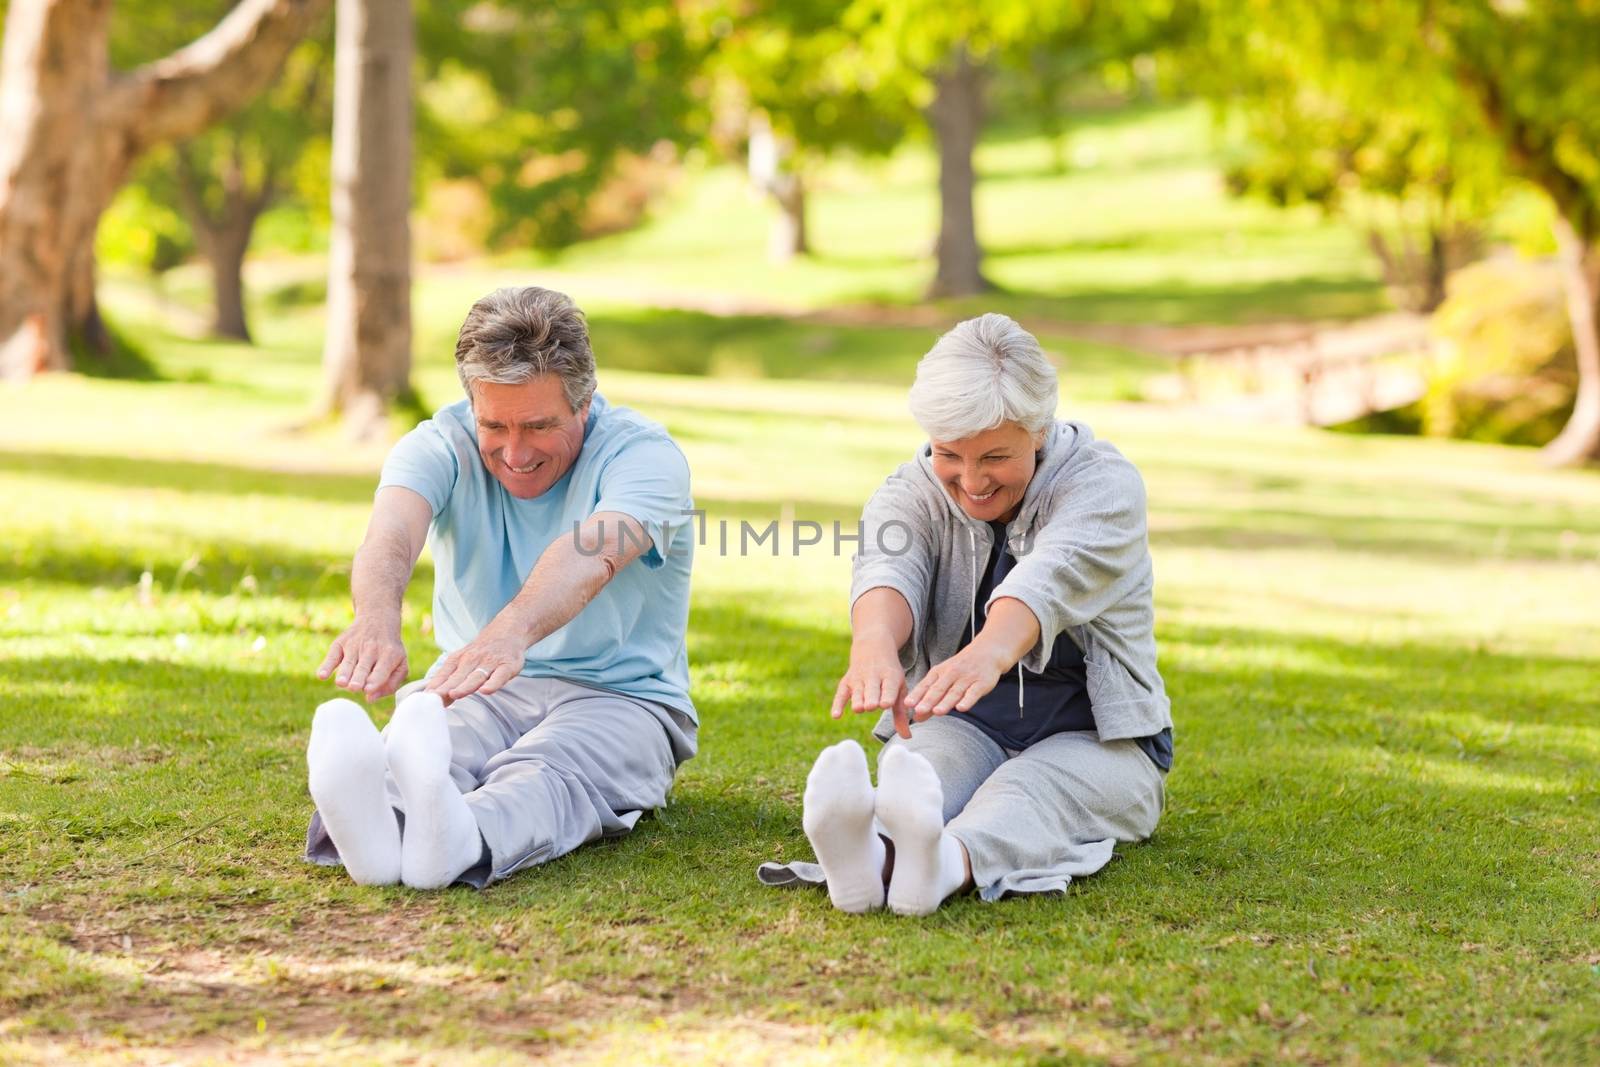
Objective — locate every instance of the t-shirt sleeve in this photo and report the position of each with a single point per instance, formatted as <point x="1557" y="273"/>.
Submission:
<point x="423" y="462"/>
<point x="648" y="480"/>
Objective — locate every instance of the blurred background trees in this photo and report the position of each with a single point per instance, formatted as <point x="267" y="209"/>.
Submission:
<point x="1445" y="133"/>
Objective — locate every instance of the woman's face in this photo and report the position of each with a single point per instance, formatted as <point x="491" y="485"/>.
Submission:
<point x="987" y="473"/>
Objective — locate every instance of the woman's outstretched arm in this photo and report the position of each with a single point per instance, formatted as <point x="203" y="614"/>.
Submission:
<point x="880" y="623"/>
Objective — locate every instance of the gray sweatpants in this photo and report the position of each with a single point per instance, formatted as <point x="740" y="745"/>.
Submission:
<point x="1033" y="819"/>
<point x="547" y="765"/>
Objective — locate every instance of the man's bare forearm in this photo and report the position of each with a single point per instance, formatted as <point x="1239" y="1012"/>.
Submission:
<point x="379" y="575"/>
<point x="569" y="574"/>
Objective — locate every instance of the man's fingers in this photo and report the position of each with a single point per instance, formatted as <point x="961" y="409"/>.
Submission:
<point x="396" y="679"/>
<point x="363" y="669"/>
<point x="331" y="660"/>
<point x="382" y="668"/>
<point x="502" y="674"/>
<point x="445" y="672"/>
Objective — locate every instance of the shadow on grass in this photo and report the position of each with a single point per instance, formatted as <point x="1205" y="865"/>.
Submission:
<point x="190" y="476"/>
<point x="180" y="564"/>
<point x="753" y="346"/>
<point x="1179" y="302"/>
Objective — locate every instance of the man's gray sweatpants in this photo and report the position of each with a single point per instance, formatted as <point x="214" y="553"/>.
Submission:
<point x="1033" y="819"/>
<point x="547" y="765"/>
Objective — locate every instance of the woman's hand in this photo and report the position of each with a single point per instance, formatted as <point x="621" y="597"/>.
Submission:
<point x="957" y="683"/>
<point x="485" y="664"/>
<point x="874" y="681"/>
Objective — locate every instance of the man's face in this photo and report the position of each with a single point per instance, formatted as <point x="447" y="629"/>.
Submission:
<point x="527" y="436"/>
<point x="987" y="473"/>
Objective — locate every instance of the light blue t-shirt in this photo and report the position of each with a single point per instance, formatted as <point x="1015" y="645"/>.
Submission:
<point x="631" y="637"/>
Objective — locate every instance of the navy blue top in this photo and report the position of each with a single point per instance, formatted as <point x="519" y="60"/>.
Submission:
<point x="1053" y="701"/>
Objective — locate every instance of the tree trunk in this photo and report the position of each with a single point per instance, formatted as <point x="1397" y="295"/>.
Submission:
<point x="787" y="238"/>
<point x="72" y="131"/>
<point x="1579" y="440"/>
<point x="225" y="250"/>
<point x="957" y="119"/>
<point x="224" y="235"/>
<point x="771" y="164"/>
<point x="367" y="354"/>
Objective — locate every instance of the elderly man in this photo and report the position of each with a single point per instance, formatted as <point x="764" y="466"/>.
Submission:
<point x="560" y="710"/>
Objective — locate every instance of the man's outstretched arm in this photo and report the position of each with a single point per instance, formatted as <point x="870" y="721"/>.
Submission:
<point x="369" y="656"/>
<point x="567" y="576"/>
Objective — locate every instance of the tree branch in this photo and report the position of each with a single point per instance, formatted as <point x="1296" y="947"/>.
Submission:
<point x="178" y="96"/>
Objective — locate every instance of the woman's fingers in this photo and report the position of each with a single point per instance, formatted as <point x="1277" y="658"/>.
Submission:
<point x="902" y="719"/>
<point x="869" y="693"/>
<point x="889" y="694"/>
<point x="841" y="694"/>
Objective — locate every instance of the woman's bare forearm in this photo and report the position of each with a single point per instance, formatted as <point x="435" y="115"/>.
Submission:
<point x="881" y="618"/>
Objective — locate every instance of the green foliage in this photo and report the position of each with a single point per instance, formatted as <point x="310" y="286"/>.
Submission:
<point x="537" y="105"/>
<point x="143" y="227"/>
<point x="799" y="65"/>
<point x="1508" y="374"/>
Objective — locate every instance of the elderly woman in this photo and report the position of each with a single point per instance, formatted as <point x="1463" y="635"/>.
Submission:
<point x="1001" y="620"/>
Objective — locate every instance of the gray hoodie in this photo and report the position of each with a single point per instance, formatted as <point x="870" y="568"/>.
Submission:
<point x="1083" y="568"/>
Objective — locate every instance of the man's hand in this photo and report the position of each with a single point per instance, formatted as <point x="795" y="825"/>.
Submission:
<point x="488" y="662"/>
<point x="368" y="658"/>
<point x="957" y="683"/>
<point x="873" y="682"/>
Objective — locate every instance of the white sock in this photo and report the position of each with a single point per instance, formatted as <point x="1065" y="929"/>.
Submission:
<point x="441" y="839"/>
<point x="927" y="861"/>
<point x="345" y="761"/>
<point x="838" y="820"/>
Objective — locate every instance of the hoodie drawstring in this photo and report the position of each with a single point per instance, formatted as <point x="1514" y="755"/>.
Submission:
<point x="972" y="540"/>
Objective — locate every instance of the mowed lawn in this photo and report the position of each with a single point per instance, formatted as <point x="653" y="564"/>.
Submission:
<point x="1380" y="842"/>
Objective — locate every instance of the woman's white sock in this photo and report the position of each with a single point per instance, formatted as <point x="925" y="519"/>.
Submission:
<point x="928" y="862"/>
<point x="838" y="819"/>
<point x="345" y="761"/>
<point x="441" y="839"/>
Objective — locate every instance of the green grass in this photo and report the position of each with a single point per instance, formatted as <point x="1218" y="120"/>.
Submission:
<point x="1378" y="847"/>
<point x="1379" y="843"/>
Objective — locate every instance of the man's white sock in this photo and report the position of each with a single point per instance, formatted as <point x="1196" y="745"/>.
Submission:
<point x="441" y="839"/>
<point x="928" y="863"/>
<point x="838" y="819"/>
<point x="345" y="760"/>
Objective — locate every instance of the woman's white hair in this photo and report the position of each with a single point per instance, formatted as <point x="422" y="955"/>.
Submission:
<point x="984" y="372"/>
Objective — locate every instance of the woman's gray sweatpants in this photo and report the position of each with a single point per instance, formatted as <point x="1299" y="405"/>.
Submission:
<point x="1033" y="819"/>
<point x="547" y="765"/>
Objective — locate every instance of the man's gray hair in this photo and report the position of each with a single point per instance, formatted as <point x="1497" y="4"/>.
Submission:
<point x="514" y="335"/>
<point x="984" y="372"/>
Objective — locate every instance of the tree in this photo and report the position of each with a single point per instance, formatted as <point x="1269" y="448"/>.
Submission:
<point x="794" y="81"/>
<point x="535" y="105"/>
<point x="74" y="127"/>
<point x="227" y="177"/>
<point x="1521" y="74"/>
<point x="367" y="353"/>
<point x="952" y="48"/>
<point x="1421" y="193"/>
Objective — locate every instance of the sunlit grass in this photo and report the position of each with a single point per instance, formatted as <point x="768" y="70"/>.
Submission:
<point x="1378" y="844"/>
